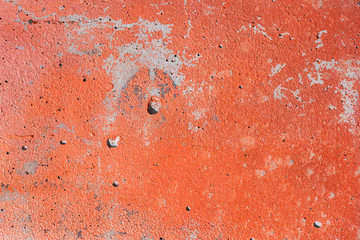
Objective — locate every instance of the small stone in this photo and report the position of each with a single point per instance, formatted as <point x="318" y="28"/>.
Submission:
<point x="188" y="208"/>
<point x="24" y="148"/>
<point x="154" y="105"/>
<point x="220" y="46"/>
<point x="317" y="224"/>
<point x="112" y="143"/>
<point x="63" y="142"/>
<point x="116" y="184"/>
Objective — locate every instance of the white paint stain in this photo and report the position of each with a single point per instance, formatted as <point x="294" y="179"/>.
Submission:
<point x="193" y="128"/>
<point x="349" y="97"/>
<point x="28" y="14"/>
<point x="256" y="29"/>
<point x="190" y="26"/>
<point x="279" y="92"/>
<point x="318" y="69"/>
<point x="198" y="114"/>
<point x="331" y="107"/>
<point x="357" y="172"/>
<point x="319" y="41"/>
<point x="277" y="69"/>
<point x="309" y="172"/>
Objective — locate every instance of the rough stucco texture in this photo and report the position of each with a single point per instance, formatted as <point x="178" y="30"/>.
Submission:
<point x="256" y="133"/>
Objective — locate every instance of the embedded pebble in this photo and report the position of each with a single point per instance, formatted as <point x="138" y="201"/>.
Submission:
<point x="113" y="142"/>
<point x="24" y="148"/>
<point x="317" y="224"/>
<point x="154" y="105"/>
<point x="63" y="142"/>
<point x="188" y="208"/>
<point x="116" y="184"/>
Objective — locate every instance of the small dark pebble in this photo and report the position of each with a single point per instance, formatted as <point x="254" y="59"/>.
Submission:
<point x="63" y="142"/>
<point x="116" y="184"/>
<point x="24" y="148"/>
<point x="188" y="208"/>
<point x="317" y="224"/>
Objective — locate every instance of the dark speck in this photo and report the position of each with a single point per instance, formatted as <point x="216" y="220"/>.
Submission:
<point x="188" y="208"/>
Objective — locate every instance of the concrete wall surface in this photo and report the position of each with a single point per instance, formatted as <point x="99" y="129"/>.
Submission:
<point x="167" y="119"/>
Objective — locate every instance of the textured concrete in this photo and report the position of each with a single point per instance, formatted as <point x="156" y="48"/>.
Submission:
<point x="179" y="119"/>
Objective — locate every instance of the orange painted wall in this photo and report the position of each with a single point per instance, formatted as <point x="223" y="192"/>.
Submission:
<point x="256" y="133"/>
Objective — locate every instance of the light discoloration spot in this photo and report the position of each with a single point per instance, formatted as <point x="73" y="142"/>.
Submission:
<point x="29" y="168"/>
<point x="260" y="173"/>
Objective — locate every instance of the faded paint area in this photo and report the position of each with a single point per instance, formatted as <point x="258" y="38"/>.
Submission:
<point x="253" y="131"/>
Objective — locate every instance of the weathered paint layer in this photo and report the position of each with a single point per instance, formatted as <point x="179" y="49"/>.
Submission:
<point x="255" y="133"/>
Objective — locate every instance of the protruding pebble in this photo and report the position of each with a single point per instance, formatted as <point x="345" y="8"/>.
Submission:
<point x="113" y="142"/>
<point x="317" y="224"/>
<point x="188" y="208"/>
<point x="154" y="105"/>
<point x="116" y="184"/>
<point x="24" y="147"/>
<point x="63" y="142"/>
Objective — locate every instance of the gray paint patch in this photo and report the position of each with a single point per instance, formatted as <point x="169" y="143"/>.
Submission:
<point x="148" y="49"/>
<point x="29" y="168"/>
<point x="10" y="195"/>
